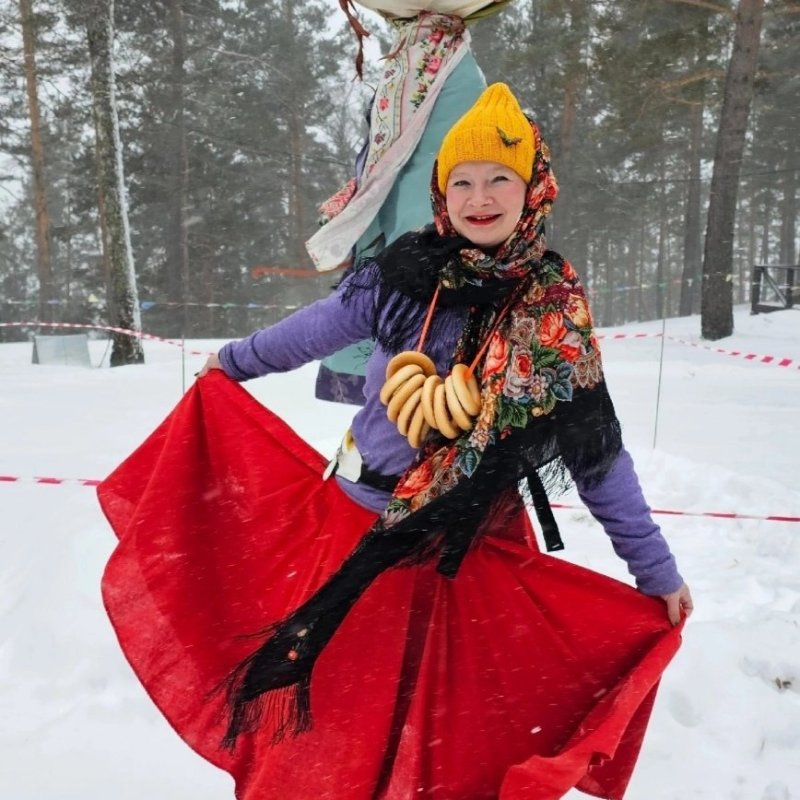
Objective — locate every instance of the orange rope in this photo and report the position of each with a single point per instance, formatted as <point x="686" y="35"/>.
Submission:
<point x="294" y="272"/>
<point x="428" y="317"/>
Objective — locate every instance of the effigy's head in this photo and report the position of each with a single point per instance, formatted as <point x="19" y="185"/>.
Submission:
<point x="405" y="9"/>
<point x="459" y="12"/>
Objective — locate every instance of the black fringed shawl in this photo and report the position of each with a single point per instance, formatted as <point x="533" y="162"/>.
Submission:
<point x="545" y="411"/>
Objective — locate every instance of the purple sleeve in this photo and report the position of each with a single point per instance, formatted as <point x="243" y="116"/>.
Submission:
<point x="618" y="504"/>
<point x="313" y="332"/>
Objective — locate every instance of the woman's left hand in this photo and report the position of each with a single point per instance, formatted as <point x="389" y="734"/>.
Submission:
<point x="211" y="363"/>
<point x="679" y="604"/>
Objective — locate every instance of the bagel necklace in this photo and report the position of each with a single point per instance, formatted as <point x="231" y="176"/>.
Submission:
<point x="419" y="400"/>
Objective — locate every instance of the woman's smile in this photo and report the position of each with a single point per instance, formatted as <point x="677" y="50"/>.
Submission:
<point x="487" y="219"/>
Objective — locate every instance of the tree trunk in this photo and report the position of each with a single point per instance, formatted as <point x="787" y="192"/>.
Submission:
<point x="99" y="21"/>
<point x="105" y="248"/>
<point x="661" y="258"/>
<point x="608" y="300"/>
<point x="43" y="264"/>
<point x="717" y="300"/>
<point x="751" y="233"/>
<point x="177" y="241"/>
<point x="788" y="247"/>
<point x="766" y="219"/>
<point x="642" y="233"/>
<point x="563" y="221"/>
<point x="693" y="236"/>
<point x="296" y="210"/>
<point x="631" y="293"/>
<point x="558" y="226"/>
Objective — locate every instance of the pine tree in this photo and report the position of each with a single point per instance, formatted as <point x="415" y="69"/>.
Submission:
<point x="775" y="152"/>
<point x="43" y="263"/>
<point x="717" y="297"/>
<point x="98" y="18"/>
<point x="236" y="126"/>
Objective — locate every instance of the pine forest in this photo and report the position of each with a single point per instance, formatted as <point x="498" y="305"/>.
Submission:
<point x="162" y="162"/>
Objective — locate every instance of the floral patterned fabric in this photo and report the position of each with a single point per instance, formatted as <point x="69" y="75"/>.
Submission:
<point x="426" y="51"/>
<point x="543" y="350"/>
<point x="336" y="203"/>
<point x="543" y="353"/>
<point x="423" y="46"/>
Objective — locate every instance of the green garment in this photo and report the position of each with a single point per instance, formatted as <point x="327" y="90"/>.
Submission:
<point x="406" y="208"/>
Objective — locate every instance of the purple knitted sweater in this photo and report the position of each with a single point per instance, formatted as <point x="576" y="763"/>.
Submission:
<point x="328" y="325"/>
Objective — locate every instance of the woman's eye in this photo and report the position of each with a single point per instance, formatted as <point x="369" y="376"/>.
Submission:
<point x="461" y="182"/>
<point x="499" y="178"/>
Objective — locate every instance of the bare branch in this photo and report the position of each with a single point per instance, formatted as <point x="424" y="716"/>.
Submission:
<point x="688" y="80"/>
<point x="789" y="9"/>
<point x="715" y="7"/>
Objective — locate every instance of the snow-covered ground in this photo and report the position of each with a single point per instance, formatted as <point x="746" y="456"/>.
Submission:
<point x="74" y="723"/>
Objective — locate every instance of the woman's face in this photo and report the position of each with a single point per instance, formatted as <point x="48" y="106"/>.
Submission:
<point x="484" y="201"/>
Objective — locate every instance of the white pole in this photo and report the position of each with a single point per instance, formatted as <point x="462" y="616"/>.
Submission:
<point x="183" y="362"/>
<point x="660" y="373"/>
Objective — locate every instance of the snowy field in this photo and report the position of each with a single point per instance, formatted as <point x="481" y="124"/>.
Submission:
<point x="74" y="722"/>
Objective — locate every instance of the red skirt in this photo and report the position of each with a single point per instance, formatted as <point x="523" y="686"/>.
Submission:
<point x="522" y="677"/>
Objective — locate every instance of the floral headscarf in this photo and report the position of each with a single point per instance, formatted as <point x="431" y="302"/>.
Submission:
<point x="543" y="351"/>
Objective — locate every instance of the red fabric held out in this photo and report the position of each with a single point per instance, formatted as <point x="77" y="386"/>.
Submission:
<point x="519" y="679"/>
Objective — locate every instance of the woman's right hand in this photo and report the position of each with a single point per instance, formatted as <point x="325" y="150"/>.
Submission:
<point x="679" y="604"/>
<point x="211" y="363"/>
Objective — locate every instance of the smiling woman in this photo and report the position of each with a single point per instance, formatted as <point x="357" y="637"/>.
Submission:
<point x="402" y="612"/>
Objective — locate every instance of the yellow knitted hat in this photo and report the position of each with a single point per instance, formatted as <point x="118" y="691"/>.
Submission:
<point x="494" y="129"/>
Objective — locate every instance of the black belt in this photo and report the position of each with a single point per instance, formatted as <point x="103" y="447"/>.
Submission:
<point x="544" y="513"/>
<point x="550" y="532"/>
<point x="375" y="480"/>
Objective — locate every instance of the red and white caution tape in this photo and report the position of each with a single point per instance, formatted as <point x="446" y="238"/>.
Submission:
<point x="755" y="357"/>
<point x="710" y="514"/>
<point x="49" y="481"/>
<point x="776" y="361"/>
<point x="615" y="336"/>
<point x="111" y="328"/>
<point x="758" y="358"/>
